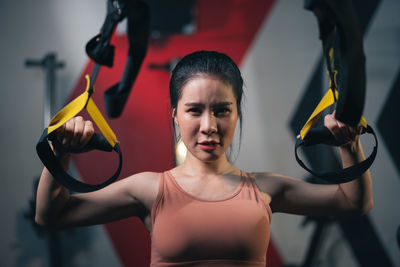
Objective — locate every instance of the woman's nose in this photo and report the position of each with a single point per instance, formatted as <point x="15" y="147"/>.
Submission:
<point x="208" y="124"/>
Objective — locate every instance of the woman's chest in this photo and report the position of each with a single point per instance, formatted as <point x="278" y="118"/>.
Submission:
<point x="236" y="228"/>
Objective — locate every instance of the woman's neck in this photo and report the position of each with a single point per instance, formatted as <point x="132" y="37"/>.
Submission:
<point x="194" y="166"/>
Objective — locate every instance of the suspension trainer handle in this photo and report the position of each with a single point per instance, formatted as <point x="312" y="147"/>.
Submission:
<point x="342" y="46"/>
<point x="106" y="141"/>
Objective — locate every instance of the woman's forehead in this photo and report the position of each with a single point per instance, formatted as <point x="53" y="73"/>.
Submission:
<point x="207" y="88"/>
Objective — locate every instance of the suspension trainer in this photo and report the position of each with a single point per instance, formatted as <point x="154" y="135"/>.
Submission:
<point x="102" y="52"/>
<point x="343" y="50"/>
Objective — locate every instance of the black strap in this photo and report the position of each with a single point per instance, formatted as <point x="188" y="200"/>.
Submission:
<point x="340" y="32"/>
<point x="341" y="175"/>
<point x="53" y="165"/>
<point x="99" y="49"/>
<point x="342" y="45"/>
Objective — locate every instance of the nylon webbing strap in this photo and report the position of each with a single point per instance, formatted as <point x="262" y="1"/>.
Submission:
<point x="106" y="142"/>
<point x="343" y="51"/>
<point x="137" y="14"/>
<point x="346" y="174"/>
<point x="323" y="135"/>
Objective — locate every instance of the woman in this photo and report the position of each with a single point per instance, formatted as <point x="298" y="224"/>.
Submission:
<point x="206" y="211"/>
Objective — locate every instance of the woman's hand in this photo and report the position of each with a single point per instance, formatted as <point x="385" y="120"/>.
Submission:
<point x="343" y="133"/>
<point x="73" y="135"/>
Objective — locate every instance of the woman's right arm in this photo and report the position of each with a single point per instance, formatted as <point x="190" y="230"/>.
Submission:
<point x="57" y="208"/>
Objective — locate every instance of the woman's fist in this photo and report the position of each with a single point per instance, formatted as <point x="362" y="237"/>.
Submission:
<point x="74" y="134"/>
<point x="343" y="133"/>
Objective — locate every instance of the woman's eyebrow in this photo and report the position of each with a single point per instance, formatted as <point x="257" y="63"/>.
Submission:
<point x="222" y="104"/>
<point x="193" y="104"/>
<point x="219" y="104"/>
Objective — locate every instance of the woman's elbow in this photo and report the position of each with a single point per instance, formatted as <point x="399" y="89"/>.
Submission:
<point x="47" y="223"/>
<point x="363" y="208"/>
<point x="42" y="221"/>
<point x="367" y="207"/>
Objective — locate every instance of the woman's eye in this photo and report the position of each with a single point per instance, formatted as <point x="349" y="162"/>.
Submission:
<point x="222" y="112"/>
<point x="194" y="111"/>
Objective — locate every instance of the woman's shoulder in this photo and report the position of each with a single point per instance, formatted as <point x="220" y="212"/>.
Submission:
<point x="143" y="185"/>
<point x="263" y="176"/>
<point x="146" y="177"/>
<point x="268" y="182"/>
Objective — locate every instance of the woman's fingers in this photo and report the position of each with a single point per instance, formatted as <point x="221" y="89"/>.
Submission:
<point x="343" y="133"/>
<point x="75" y="133"/>
<point x="60" y="133"/>
<point x="88" y="132"/>
<point x="78" y="131"/>
<point x="68" y="132"/>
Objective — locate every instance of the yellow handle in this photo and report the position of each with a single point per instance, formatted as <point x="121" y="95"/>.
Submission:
<point x="75" y="106"/>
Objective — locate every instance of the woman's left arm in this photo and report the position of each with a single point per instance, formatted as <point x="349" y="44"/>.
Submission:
<point x="291" y="195"/>
<point x="358" y="192"/>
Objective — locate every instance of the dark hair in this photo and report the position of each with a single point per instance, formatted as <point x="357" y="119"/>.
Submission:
<point x="210" y="63"/>
<point x="205" y="62"/>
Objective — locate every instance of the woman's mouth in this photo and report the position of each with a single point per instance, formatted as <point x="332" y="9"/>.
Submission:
<point x="208" y="146"/>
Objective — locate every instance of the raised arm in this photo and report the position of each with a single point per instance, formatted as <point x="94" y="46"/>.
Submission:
<point x="57" y="208"/>
<point x="358" y="192"/>
<point x="296" y="196"/>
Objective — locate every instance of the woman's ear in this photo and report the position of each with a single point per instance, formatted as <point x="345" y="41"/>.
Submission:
<point x="174" y="116"/>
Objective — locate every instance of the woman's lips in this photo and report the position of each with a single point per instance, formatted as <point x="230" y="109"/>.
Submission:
<point x="208" y="146"/>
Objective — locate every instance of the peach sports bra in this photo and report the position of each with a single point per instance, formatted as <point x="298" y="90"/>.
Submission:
<point x="190" y="231"/>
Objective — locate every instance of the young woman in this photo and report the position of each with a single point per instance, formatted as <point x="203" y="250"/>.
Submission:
<point x="206" y="211"/>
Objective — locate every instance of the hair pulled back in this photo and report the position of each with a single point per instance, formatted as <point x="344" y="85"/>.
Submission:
<point x="206" y="62"/>
<point x="210" y="63"/>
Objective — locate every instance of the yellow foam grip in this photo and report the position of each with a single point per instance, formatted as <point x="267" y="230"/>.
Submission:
<point x="75" y="106"/>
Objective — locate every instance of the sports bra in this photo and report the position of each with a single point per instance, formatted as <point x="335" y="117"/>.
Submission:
<point x="191" y="231"/>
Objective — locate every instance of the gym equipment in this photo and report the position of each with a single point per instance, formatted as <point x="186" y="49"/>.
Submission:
<point x="343" y="50"/>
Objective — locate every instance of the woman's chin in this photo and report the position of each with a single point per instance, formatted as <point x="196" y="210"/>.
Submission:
<point x="208" y="157"/>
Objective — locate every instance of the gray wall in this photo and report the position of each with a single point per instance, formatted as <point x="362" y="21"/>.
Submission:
<point x="31" y="29"/>
<point x="276" y="70"/>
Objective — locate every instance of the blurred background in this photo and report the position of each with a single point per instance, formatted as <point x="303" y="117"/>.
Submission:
<point x="276" y="45"/>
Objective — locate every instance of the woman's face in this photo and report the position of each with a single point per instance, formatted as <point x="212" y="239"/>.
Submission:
<point x="206" y="115"/>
